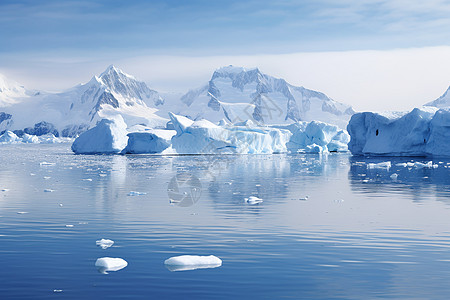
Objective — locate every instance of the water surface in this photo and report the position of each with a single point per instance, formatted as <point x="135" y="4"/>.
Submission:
<point x="328" y="227"/>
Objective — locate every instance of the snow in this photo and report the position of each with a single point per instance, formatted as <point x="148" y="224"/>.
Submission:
<point x="109" y="264"/>
<point x="71" y="112"/>
<point x="109" y="136"/>
<point x="9" y="137"/>
<point x="192" y="262"/>
<point x="104" y="243"/>
<point x="204" y="137"/>
<point x="237" y="94"/>
<point x="421" y="132"/>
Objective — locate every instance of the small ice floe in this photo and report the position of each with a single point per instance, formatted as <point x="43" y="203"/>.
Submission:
<point x="22" y="212"/>
<point x="382" y="165"/>
<point x="32" y="174"/>
<point x="404" y="165"/>
<point x="304" y="198"/>
<point x="104" y="243"/>
<point x="134" y="193"/>
<point x="44" y="163"/>
<point x="419" y="165"/>
<point x="252" y="200"/>
<point x="5" y="190"/>
<point x="60" y="205"/>
<point x="394" y="176"/>
<point x="110" y="264"/>
<point x="49" y="190"/>
<point x="69" y="225"/>
<point x="338" y="201"/>
<point x="102" y="175"/>
<point x="47" y="177"/>
<point x="87" y="179"/>
<point x="57" y="291"/>
<point x="192" y="262"/>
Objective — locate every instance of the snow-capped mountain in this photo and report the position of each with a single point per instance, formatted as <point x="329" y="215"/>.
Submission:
<point x="81" y="107"/>
<point x="441" y="102"/>
<point x="237" y="94"/>
<point x="11" y="91"/>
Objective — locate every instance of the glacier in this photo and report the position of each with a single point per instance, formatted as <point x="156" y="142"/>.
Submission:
<point x="420" y="132"/>
<point x="9" y="137"/>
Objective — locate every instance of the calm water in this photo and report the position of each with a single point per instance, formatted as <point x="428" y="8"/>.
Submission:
<point x="358" y="235"/>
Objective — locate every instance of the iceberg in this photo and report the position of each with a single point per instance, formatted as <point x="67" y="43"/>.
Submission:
<point x="421" y="132"/>
<point x="151" y="141"/>
<point x="204" y="137"/>
<point x="110" y="264"/>
<point x="192" y="262"/>
<point x="109" y="137"/>
<point x="316" y="137"/>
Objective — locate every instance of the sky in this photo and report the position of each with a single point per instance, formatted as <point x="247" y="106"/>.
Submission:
<point x="372" y="54"/>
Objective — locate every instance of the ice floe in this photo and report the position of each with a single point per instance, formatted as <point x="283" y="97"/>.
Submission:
<point x="253" y="200"/>
<point x="134" y="193"/>
<point x="104" y="243"/>
<point x="192" y="262"/>
<point x="110" y="264"/>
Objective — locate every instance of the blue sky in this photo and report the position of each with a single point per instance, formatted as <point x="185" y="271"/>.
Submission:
<point x="221" y="27"/>
<point x="56" y="44"/>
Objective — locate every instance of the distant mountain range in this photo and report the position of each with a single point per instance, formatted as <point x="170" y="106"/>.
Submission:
<point x="233" y="94"/>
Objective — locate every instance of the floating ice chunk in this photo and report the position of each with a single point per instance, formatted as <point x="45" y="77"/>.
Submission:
<point x="44" y="163"/>
<point x="69" y="225"/>
<point x="104" y="243"/>
<point x="110" y="264"/>
<point x="102" y="175"/>
<point x="420" y="165"/>
<point x="57" y="291"/>
<point x="338" y="201"/>
<point x="22" y="212"/>
<point x="109" y="136"/>
<point x="381" y="165"/>
<point x="60" y="205"/>
<point x="252" y="200"/>
<point x="152" y="141"/>
<point x="394" y="176"/>
<point x="5" y="190"/>
<point x="87" y="179"/>
<point x="304" y="198"/>
<point x="192" y="262"/>
<point x="32" y="174"/>
<point x="47" y="177"/>
<point x="134" y="193"/>
<point x="404" y="165"/>
<point x="49" y="190"/>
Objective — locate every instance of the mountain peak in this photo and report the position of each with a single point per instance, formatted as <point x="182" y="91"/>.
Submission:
<point x="442" y="101"/>
<point x="234" y="69"/>
<point x="112" y="70"/>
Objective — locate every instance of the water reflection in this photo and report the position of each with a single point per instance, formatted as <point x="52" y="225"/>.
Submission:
<point x="420" y="182"/>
